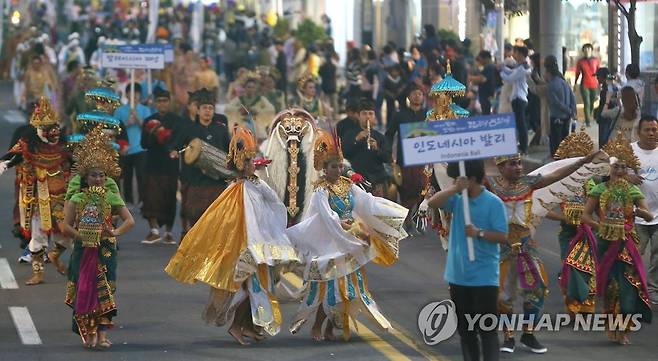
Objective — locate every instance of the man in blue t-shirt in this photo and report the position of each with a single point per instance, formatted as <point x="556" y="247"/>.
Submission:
<point x="473" y="284"/>
<point x="134" y="159"/>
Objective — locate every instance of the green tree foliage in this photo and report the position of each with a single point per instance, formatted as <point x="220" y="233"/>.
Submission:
<point x="309" y="32"/>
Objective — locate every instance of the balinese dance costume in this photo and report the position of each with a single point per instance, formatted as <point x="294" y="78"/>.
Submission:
<point x="290" y="148"/>
<point x="236" y="244"/>
<point x="621" y="276"/>
<point x="334" y="257"/>
<point x="520" y="265"/>
<point x="577" y="242"/>
<point x="42" y="170"/>
<point x="91" y="286"/>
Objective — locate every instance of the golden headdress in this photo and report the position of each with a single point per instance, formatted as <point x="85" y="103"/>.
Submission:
<point x="243" y="145"/>
<point x="96" y="151"/>
<point x="504" y="158"/>
<point x="250" y="76"/>
<point x="304" y="78"/>
<point x="575" y="145"/>
<point x="620" y="148"/>
<point x="326" y="147"/>
<point x="43" y="114"/>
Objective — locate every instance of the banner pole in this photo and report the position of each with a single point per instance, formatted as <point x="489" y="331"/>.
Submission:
<point x="467" y="213"/>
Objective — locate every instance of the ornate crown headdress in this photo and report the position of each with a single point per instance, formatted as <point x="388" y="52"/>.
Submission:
<point x="303" y="79"/>
<point x="504" y="158"/>
<point x="43" y="114"/>
<point x="243" y="145"/>
<point x="326" y="147"/>
<point x="575" y="145"/>
<point x="620" y="148"/>
<point x="448" y="85"/>
<point x="96" y="151"/>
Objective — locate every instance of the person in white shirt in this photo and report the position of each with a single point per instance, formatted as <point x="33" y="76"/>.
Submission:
<point x="646" y="149"/>
<point x="633" y="80"/>
<point x="517" y="76"/>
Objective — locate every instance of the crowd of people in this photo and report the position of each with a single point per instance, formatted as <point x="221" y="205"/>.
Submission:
<point x="280" y="164"/>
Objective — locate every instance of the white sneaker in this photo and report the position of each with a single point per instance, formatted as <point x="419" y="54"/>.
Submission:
<point x="152" y="238"/>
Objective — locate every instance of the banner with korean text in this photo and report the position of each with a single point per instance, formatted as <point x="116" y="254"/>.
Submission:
<point x="460" y="139"/>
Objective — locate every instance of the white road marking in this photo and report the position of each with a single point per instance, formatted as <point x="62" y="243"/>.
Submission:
<point x="7" y="280"/>
<point x="15" y="117"/>
<point x="24" y="325"/>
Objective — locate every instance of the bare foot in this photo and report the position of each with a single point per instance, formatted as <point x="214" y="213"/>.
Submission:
<point x="612" y="335"/>
<point x="329" y="332"/>
<point x="253" y="335"/>
<point x="316" y="333"/>
<point x="623" y="338"/>
<point x="237" y="335"/>
<point x="103" y="341"/>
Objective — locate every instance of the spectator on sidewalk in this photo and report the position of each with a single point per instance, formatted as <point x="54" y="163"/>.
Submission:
<point x="517" y="77"/>
<point x="646" y="149"/>
<point x="587" y="66"/>
<point x="561" y="105"/>
<point x="485" y="80"/>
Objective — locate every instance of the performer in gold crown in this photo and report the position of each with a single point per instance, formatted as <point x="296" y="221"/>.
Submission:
<point x="521" y="268"/>
<point x="91" y="285"/>
<point x="577" y="243"/>
<point x="234" y="248"/>
<point x="348" y="229"/>
<point x="306" y="98"/>
<point x="42" y="170"/>
<point x="621" y="278"/>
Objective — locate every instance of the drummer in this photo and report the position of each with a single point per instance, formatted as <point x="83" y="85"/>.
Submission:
<point x="200" y="190"/>
<point x="161" y="172"/>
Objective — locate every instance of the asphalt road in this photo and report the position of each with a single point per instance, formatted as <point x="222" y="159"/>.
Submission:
<point x="159" y="319"/>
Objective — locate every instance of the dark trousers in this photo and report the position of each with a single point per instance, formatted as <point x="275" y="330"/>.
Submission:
<point x="476" y="300"/>
<point x="559" y="131"/>
<point x="519" y="107"/>
<point x="604" y="130"/>
<point x="132" y="164"/>
<point x="485" y="105"/>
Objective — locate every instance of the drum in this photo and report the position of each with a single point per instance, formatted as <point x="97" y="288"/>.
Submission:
<point x="210" y="160"/>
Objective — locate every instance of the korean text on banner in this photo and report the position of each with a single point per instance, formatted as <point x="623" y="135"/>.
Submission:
<point x="461" y="139"/>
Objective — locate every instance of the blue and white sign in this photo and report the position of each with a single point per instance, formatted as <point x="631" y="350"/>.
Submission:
<point x="460" y="139"/>
<point x="140" y="56"/>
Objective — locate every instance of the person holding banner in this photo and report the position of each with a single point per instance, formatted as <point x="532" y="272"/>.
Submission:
<point x="521" y="269"/>
<point x="473" y="285"/>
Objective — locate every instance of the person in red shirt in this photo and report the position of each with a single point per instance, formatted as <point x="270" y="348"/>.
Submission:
<point x="587" y="67"/>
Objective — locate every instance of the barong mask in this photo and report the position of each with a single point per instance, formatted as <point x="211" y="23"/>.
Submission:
<point x="44" y="120"/>
<point x="293" y="126"/>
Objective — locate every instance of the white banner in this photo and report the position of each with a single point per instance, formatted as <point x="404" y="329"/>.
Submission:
<point x="132" y="61"/>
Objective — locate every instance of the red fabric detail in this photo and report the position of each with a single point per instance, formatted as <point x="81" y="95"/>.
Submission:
<point x="588" y="68"/>
<point x="163" y="135"/>
<point x="151" y="124"/>
<point x="356" y="178"/>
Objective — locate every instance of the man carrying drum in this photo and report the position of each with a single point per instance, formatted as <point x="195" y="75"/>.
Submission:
<point x="161" y="173"/>
<point x="205" y="180"/>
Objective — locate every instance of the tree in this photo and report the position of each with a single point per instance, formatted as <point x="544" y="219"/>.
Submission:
<point x="634" y="39"/>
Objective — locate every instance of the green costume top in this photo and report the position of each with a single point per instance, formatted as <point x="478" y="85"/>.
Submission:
<point x="616" y="207"/>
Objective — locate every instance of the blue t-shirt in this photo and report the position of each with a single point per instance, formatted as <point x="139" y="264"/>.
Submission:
<point x="134" y="131"/>
<point x="487" y="213"/>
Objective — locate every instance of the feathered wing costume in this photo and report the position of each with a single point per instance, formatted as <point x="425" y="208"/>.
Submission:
<point x="235" y="245"/>
<point x="290" y="148"/>
<point x="334" y="256"/>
